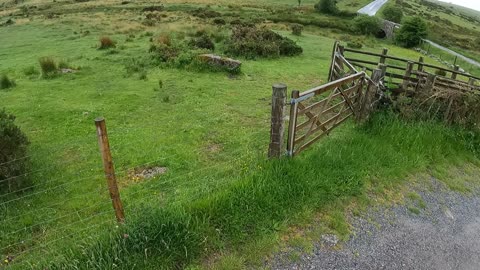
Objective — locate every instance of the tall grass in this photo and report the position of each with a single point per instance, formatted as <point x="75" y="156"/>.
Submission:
<point x="376" y="155"/>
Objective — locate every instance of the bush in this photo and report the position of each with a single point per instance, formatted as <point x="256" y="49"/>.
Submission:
<point x="367" y="25"/>
<point x="252" y="42"/>
<point x="219" y="21"/>
<point x="297" y="29"/>
<point x="411" y="33"/>
<point x="355" y="44"/>
<point x="393" y="13"/>
<point x="205" y="13"/>
<point x="48" y="66"/>
<point x="327" y="7"/>
<point x="203" y="42"/>
<point x="6" y="82"/>
<point x="30" y="71"/>
<point x="13" y="143"/>
<point x="441" y="72"/>
<point x="106" y="43"/>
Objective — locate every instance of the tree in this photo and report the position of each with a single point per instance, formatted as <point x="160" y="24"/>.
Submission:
<point x="367" y="25"/>
<point x="412" y="31"/>
<point x="393" y="14"/>
<point x="327" y="6"/>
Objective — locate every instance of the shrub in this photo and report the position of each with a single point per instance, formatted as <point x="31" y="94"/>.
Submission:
<point x="30" y="71"/>
<point x="252" y="42"/>
<point x="205" y="13"/>
<point x="367" y="25"/>
<point x="106" y="43"/>
<point x="203" y="42"/>
<point x="411" y="33"/>
<point x="327" y="7"/>
<point x="393" y="13"/>
<point x="48" y="66"/>
<point x="441" y="72"/>
<point x="355" y="44"/>
<point x="13" y="143"/>
<point x="219" y="21"/>
<point x="6" y="82"/>
<point x="297" y="29"/>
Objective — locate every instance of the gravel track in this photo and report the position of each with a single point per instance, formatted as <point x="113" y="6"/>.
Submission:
<point x="444" y="235"/>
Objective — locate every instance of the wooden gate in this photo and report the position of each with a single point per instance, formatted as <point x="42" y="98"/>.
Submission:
<point x="315" y="112"/>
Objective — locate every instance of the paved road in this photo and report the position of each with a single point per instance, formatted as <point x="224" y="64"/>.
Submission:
<point x="443" y="236"/>
<point x="372" y="8"/>
<point x="466" y="59"/>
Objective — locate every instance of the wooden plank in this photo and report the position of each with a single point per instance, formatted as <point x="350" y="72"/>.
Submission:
<point x="329" y="86"/>
<point x="291" y="125"/>
<point x="319" y="103"/>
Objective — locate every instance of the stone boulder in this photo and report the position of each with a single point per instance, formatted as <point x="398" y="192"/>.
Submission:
<point x="219" y="62"/>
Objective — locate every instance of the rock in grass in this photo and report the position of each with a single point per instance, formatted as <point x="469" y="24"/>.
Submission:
<point x="219" y="62"/>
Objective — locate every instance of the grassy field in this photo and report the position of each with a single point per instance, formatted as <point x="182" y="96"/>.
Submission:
<point x="219" y="203"/>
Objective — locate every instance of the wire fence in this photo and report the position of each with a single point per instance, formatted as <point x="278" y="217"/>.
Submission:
<point x="66" y="200"/>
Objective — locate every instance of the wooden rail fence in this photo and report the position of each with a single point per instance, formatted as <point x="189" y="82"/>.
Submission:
<point x="350" y="92"/>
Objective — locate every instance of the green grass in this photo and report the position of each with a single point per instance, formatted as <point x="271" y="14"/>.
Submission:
<point x="219" y="194"/>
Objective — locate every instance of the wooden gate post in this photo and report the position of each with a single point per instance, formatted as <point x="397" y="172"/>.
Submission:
<point x="383" y="58"/>
<point x="454" y="75"/>
<point x="292" y="124"/>
<point x="279" y="99"/>
<point x="420" y="63"/>
<point x="430" y="83"/>
<point x="109" y="169"/>
<point x="408" y="73"/>
<point x="372" y="89"/>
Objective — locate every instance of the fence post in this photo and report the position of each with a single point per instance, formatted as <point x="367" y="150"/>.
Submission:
<point x="383" y="58"/>
<point x="334" y="59"/>
<point x="430" y="83"/>
<point x="420" y="65"/>
<point x="408" y="73"/>
<point x="109" y="169"/>
<point x="454" y="75"/>
<point x="292" y="124"/>
<point x="471" y="83"/>
<point x="372" y="89"/>
<point x="279" y="99"/>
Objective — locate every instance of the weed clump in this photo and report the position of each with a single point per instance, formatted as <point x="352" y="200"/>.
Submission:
<point x="253" y="42"/>
<point x="6" y="82"/>
<point x="205" y="13"/>
<point x="203" y="42"/>
<point x="14" y="147"/>
<point x="297" y="29"/>
<point x="48" y="66"/>
<point x="106" y="43"/>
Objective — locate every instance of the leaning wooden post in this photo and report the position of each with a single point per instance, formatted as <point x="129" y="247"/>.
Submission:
<point x="430" y="83"/>
<point x="292" y="123"/>
<point x="279" y="99"/>
<point x="471" y="83"/>
<point x="420" y="63"/>
<point x="383" y="58"/>
<point x="408" y="73"/>
<point x="454" y="74"/>
<point x="372" y="90"/>
<point x="108" y="168"/>
<point x="334" y="58"/>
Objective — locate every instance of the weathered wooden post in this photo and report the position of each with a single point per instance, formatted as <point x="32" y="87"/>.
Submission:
<point x="372" y="89"/>
<point x="408" y="73"/>
<point x="292" y="124"/>
<point x="471" y="83"/>
<point x="454" y="74"/>
<point x="430" y="83"/>
<point x="420" y="63"/>
<point x="109" y="169"/>
<point x="334" y="59"/>
<point x="383" y="57"/>
<point x="279" y="100"/>
<point x="341" y="51"/>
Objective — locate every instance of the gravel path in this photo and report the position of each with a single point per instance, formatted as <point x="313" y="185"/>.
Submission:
<point x="444" y="235"/>
<point x="372" y="8"/>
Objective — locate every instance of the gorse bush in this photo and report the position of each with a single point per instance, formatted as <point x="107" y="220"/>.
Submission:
<point x="297" y="29"/>
<point x="106" y="43"/>
<point x="327" y="7"/>
<point x="367" y="25"/>
<point x="13" y="144"/>
<point x="393" y="13"/>
<point x="253" y="42"/>
<point x="6" y="82"/>
<point x="48" y="66"/>
<point x="412" y="31"/>
<point x="204" y="41"/>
